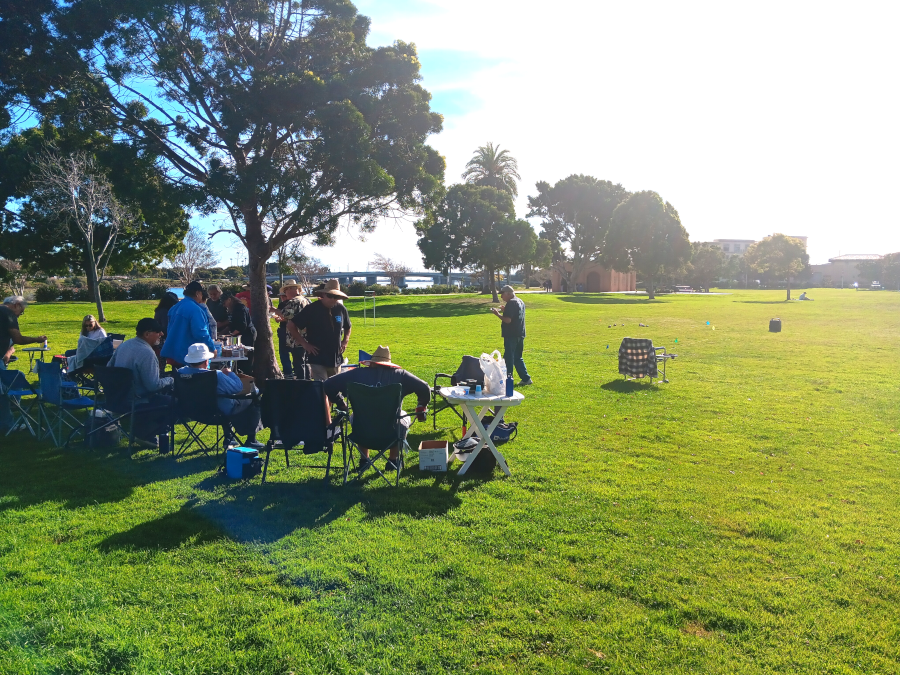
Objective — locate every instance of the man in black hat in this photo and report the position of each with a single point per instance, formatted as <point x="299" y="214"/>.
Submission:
<point x="327" y="325"/>
<point x="137" y="355"/>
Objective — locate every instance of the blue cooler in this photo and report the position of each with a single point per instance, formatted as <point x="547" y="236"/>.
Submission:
<point x="242" y="462"/>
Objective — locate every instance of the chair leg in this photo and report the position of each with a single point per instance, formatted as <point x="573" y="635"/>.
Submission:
<point x="266" y="465"/>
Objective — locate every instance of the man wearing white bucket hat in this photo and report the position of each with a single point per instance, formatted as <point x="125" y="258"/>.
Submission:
<point x="243" y="414"/>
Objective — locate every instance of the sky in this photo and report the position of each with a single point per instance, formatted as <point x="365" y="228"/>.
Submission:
<point x="750" y="118"/>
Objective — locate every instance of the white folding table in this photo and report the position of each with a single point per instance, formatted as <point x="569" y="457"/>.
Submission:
<point x="469" y="403"/>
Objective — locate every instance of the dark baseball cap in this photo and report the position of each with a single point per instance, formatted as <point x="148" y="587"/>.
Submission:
<point x="149" y="324"/>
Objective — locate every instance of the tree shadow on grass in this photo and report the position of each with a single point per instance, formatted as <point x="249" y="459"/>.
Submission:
<point x="251" y="511"/>
<point x="33" y="473"/>
<point x="171" y="531"/>
<point x="589" y="299"/>
<point x="763" y="302"/>
<point x="447" y="307"/>
<point x="629" y="386"/>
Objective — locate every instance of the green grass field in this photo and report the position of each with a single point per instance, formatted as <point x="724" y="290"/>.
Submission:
<point x="741" y="519"/>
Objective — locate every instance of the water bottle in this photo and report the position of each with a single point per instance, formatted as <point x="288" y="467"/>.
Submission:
<point x="509" y="386"/>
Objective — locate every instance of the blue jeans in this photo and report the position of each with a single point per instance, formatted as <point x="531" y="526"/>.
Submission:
<point x="512" y="354"/>
<point x="6" y="416"/>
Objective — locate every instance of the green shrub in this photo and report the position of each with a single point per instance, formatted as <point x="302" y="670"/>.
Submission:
<point x="357" y="288"/>
<point x="46" y="293"/>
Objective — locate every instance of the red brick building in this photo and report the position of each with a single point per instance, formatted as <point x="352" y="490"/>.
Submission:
<point x="595" y="278"/>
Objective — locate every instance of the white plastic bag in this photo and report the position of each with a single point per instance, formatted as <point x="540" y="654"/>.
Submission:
<point x="494" y="368"/>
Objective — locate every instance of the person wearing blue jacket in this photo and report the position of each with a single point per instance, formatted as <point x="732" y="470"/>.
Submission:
<point x="188" y="324"/>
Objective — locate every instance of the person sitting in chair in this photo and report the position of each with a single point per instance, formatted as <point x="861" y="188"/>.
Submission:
<point x="243" y="414"/>
<point x="382" y="372"/>
<point x="137" y="355"/>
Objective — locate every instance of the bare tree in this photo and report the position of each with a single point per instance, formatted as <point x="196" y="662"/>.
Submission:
<point x="198" y="253"/>
<point x="75" y="189"/>
<point x="304" y="266"/>
<point x="13" y="276"/>
<point x="393" y="270"/>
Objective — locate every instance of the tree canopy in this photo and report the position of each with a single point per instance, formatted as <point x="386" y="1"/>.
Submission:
<point x="708" y="263"/>
<point x="779" y="256"/>
<point x="475" y="227"/>
<point x="275" y="111"/>
<point x="646" y="235"/>
<point x="575" y="214"/>
<point x="492" y="167"/>
<point x="40" y="238"/>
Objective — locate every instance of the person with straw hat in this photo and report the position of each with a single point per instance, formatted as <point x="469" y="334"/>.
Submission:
<point x="381" y="371"/>
<point x="289" y="349"/>
<point x="327" y="325"/>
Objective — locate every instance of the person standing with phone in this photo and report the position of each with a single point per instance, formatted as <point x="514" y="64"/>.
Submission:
<point x="513" y="332"/>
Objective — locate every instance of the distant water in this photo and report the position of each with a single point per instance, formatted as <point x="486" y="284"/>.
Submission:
<point x="177" y="291"/>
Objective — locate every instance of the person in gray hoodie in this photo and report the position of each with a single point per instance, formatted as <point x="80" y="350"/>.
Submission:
<point x="138" y="356"/>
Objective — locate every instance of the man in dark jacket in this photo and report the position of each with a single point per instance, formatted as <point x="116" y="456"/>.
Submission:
<point x="513" y="333"/>
<point x="381" y="372"/>
<point x="240" y="323"/>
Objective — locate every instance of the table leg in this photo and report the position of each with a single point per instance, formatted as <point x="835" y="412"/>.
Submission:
<point x="485" y="438"/>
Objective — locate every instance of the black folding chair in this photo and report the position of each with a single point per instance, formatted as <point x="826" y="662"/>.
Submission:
<point x="22" y="398"/>
<point x="469" y="369"/>
<point x="198" y="409"/>
<point x="375" y="421"/>
<point x="638" y="358"/>
<point x="116" y="396"/>
<point x="295" y="413"/>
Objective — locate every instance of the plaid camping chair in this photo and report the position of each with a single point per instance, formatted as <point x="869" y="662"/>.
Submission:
<point x="376" y="425"/>
<point x="638" y="358"/>
<point x="22" y="398"/>
<point x="117" y="398"/>
<point x="295" y="412"/>
<point x="469" y="369"/>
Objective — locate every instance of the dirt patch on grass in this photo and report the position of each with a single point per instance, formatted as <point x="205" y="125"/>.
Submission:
<point x="697" y="629"/>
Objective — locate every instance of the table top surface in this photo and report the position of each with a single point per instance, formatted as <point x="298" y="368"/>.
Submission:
<point x="227" y="359"/>
<point x="450" y="394"/>
<point x="36" y="349"/>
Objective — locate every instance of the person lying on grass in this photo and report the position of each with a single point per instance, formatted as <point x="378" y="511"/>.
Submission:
<point x="381" y="372"/>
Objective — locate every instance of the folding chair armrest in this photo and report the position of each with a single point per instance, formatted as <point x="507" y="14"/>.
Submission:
<point x="437" y="375"/>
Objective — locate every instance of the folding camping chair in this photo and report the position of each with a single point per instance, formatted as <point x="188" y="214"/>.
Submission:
<point x="198" y="409"/>
<point x="375" y="421"/>
<point x="638" y="358"/>
<point x="16" y="388"/>
<point x="469" y="369"/>
<point x="57" y="406"/>
<point x="116" y="395"/>
<point x="295" y="412"/>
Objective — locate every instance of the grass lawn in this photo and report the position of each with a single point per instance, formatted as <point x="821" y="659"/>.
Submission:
<point x="741" y="519"/>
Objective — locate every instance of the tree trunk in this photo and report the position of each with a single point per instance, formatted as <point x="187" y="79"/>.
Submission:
<point x="264" y="365"/>
<point x="494" y="295"/>
<point x="651" y="288"/>
<point x="94" y="285"/>
<point x="788" y="289"/>
<point x="527" y="272"/>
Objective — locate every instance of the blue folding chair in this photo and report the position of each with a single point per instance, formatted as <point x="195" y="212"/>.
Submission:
<point x="22" y="399"/>
<point x="56" y="408"/>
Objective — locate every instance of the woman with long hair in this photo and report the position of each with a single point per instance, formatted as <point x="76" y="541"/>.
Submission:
<point x="91" y="329"/>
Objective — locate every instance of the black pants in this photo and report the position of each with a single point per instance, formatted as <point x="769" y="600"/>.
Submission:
<point x="293" y="362"/>
<point x="158" y="419"/>
<point x="246" y="421"/>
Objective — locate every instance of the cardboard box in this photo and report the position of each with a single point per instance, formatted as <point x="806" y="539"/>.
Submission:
<point x="433" y="456"/>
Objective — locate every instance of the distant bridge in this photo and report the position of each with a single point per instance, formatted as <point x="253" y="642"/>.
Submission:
<point x="371" y="278"/>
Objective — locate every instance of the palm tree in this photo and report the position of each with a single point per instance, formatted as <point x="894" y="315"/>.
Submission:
<point x="493" y="167"/>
